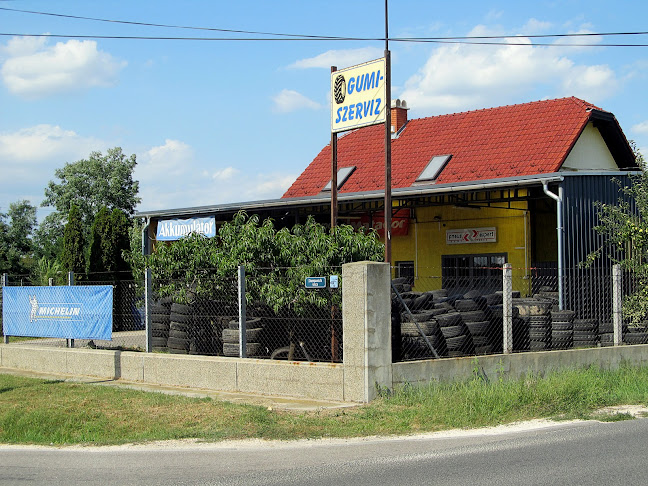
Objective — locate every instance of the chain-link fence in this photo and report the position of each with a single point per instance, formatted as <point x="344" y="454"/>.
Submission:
<point x="441" y="317"/>
<point x="283" y="318"/>
<point x="128" y="330"/>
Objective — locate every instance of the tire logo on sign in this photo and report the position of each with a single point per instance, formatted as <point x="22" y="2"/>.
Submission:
<point x="339" y="89"/>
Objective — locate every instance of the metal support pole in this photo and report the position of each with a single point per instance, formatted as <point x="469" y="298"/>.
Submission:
<point x="5" y="283"/>
<point x="148" y="293"/>
<point x="507" y="308"/>
<point x="617" y="315"/>
<point x="388" y="198"/>
<point x="242" y="329"/>
<point x="334" y="170"/>
<point x="70" y="342"/>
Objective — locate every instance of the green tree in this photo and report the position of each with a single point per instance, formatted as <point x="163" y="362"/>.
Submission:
<point x="73" y="253"/>
<point x="92" y="183"/>
<point x="16" y="244"/>
<point x="624" y="228"/>
<point x="100" y="250"/>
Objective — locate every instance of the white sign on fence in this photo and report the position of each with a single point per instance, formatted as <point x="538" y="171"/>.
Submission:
<point x="471" y="235"/>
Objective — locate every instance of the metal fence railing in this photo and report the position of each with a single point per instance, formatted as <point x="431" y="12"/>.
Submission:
<point x="467" y="317"/>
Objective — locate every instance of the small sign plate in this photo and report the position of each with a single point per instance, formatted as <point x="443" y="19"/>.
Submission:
<point x="333" y="281"/>
<point x="315" y="282"/>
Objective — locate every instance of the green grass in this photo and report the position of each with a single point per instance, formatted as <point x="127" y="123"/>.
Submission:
<point x="34" y="411"/>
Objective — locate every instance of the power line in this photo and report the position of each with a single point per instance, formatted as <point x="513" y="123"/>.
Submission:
<point x="299" y="39"/>
<point x="303" y="37"/>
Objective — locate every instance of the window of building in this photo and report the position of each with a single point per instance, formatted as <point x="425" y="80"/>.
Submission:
<point x="405" y="269"/>
<point x="342" y="175"/>
<point x="483" y="272"/>
<point x="434" y="168"/>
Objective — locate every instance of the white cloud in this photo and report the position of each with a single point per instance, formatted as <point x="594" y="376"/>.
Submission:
<point x="29" y="157"/>
<point x="170" y="176"/>
<point x="35" y="70"/>
<point x="172" y="159"/>
<point x="288" y="100"/>
<point x="45" y="142"/>
<point x="341" y="58"/>
<point x="641" y="128"/>
<point x="460" y="77"/>
<point x="225" y="174"/>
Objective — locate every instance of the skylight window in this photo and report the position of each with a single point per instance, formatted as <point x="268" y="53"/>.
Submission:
<point x="342" y="176"/>
<point x="434" y="168"/>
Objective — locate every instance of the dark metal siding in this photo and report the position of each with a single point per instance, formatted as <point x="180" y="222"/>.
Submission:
<point x="587" y="290"/>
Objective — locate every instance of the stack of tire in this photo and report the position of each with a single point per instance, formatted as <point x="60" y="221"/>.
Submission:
<point x="636" y="334"/>
<point x="606" y="334"/>
<point x="585" y="333"/>
<point x="458" y="341"/>
<point x="206" y="330"/>
<point x="253" y="336"/>
<point x="479" y="327"/>
<point x="160" y="321"/>
<point x="534" y="326"/>
<point x="180" y="328"/>
<point x="415" y="346"/>
<point x="562" y="329"/>
<point x="520" y="338"/>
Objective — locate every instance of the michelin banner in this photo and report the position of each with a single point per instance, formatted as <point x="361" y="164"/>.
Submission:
<point x="76" y="312"/>
<point x="174" y="229"/>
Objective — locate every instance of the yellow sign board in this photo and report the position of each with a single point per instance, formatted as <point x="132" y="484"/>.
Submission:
<point x="358" y="96"/>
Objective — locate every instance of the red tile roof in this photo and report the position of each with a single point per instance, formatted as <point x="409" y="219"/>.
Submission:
<point x="517" y="140"/>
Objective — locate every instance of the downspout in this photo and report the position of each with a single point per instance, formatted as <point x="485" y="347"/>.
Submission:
<point x="145" y="236"/>
<point x="559" y="228"/>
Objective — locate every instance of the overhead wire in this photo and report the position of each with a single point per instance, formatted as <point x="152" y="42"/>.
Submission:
<point x="507" y="40"/>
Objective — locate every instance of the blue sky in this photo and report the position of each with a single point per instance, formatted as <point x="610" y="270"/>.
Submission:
<point x="225" y="121"/>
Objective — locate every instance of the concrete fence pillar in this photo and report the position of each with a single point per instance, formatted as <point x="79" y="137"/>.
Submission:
<point x="366" y="313"/>
<point x="617" y="306"/>
<point x="507" y="308"/>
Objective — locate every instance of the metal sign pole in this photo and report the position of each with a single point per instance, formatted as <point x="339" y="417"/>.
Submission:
<point x="334" y="184"/>
<point x="388" y="201"/>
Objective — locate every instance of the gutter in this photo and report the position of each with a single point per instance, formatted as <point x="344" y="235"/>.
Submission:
<point x="559" y="229"/>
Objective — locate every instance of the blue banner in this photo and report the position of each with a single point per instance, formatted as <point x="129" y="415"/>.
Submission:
<point x="174" y="229"/>
<point x="75" y="312"/>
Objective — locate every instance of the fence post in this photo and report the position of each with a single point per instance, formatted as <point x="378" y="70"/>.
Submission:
<point x="507" y="308"/>
<point x="148" y="292"/>
<point x="70" y="342"/>
<point x="617" y="315"/>
<point x="241" y="297"/>
<point x="5" y="283"/>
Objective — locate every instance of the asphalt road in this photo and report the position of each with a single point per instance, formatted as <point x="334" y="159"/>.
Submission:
<point x="581" y="453"/>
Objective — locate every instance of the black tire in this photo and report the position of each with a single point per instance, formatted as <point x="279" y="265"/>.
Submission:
<point x="452" y="331"/>
<point x="161" y="319"/>
<point x="181" y="309"/>
<point x="448" y="319"/>
<point x="159" y="342"/>
<point x="178" y="326"/>
<point x="456" y="343"/>
<point x="159" y="310"/>
<point x="635" y="338"/>
<point x="478" y="328"/>
<point x="232" y="350"/>
<point x="481" y="341"/>
<point x="486" y="349"/>
<point x="160" y="333"/>
<point x="178" y="351"/>
<point x="232" y="335"/>
<point x="466" y="305"/>
<point x="253" y="323"/>
<point x="473" y="316"/>
<point x="586" y="325"/>
<point x="181" y="318"/>
<point x="176" y="343"/>
<point x="562" y="315"/>
<point x="410" y="329"/>
<point x="562" y="326"/>
<point x="173" y="333"/>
